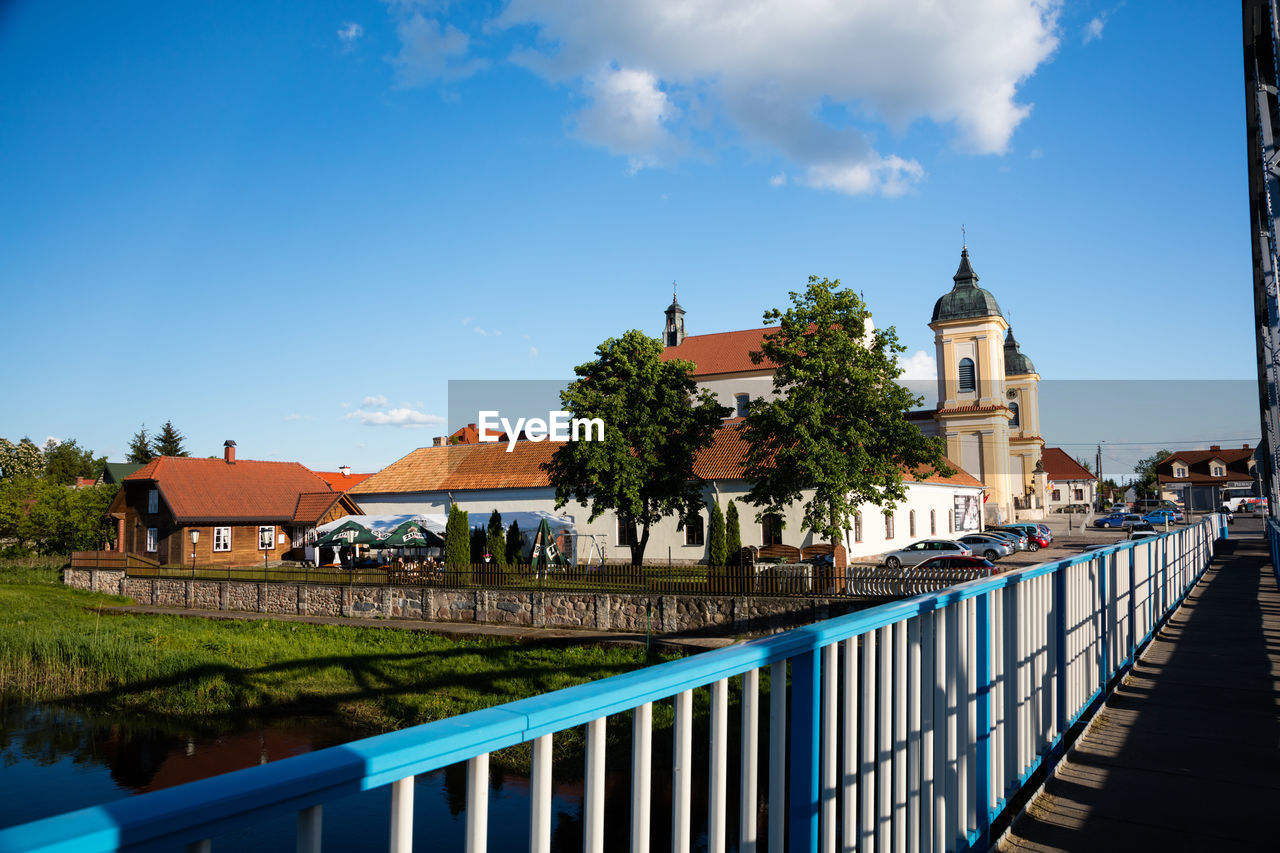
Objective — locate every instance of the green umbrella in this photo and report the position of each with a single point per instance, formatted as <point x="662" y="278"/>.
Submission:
<point x="348" y="533"/>
<point x="545" y="552"/>
<point x="413" y="535"/>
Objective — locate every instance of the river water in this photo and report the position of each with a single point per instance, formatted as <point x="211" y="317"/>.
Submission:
<point x="55" y="760"/>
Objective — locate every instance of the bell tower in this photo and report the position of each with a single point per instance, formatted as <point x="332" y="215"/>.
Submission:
<point x="673" y="332"/>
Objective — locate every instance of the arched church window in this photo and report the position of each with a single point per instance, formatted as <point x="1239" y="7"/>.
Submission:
<point x="968" y="375"/>
<point x="933" y="522"/>
<point x="1013" y="407"/>
<point x="913" y="524"/>
<point x="857" y="527"/>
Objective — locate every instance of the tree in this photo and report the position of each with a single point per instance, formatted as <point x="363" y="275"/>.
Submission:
<point x="733" y="533"/>
<point x="457" y="545"/>
<point x="141" y="450"/>
<point x="1145" y="485"/>
<point x="655" y="423"/>
<point x="497" y="540"/>
<point x="20" y="461"/>
<point x="479" y="541"/>
<point x="515" y="545"/>
<point x="169" y="441"/>
<point x="838" y="425"/>
<point x="717" y="550"/>
<point x="66" y="462"/>
<point x="1085" y="464"/>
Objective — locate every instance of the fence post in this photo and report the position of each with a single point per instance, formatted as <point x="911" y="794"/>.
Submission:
<point x="806" y="708"/>
<point x="982" y="757"/>
<point x="1133" y="592"/>
<point x="1059" y="616"/>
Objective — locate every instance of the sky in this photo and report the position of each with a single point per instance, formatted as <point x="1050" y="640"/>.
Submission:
<point x="291" y="225"/>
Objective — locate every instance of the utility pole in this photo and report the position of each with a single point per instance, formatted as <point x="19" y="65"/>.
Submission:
<point x="1098" y="467"/>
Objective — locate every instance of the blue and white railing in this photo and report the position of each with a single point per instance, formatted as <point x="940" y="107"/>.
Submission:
<point x="912" y="725"/>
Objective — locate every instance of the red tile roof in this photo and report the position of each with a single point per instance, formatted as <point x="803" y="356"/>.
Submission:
<point x="489" y="466"/>
<point x="312" y="506"/>
<point x="212" y="490"/>
<point x="338" y="482"/>
<point x="723" y="352"/>
<point x="1234" y="460"/>
<point x="1060" y="467"/>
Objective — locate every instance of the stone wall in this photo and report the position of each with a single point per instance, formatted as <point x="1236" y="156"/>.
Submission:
<point x="659" y="614"/>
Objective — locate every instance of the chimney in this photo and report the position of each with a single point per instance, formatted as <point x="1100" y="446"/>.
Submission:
<point x="1246" y="447"/>
<point x="1215" y="447"/>
<point x="345" y="469"/>
<point x="229" y="451"/>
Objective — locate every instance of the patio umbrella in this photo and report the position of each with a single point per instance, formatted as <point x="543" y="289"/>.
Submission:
<point x="348" y="533"/>
<point x="545" y="553"/>
<point x="413" y="535"/>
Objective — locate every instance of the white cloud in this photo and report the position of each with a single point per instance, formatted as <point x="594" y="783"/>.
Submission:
<point x="294" y="416"/>
<point x="430" y="50"/>
<point x="814" y="82"/>
<point x="1093" y="29"/>
<point x="402" y="417"/>
<point x="51" y="440"/>
<point x="778" y="179"/>
<point x="345" y="405"/>
<point x="533" y="352"/>
<point x="373" y="400"/>
<point x="349" y="33"/>
<point x="919" y="365"/>
<point x="481" y="332"/>
<point x="466" y="321"/>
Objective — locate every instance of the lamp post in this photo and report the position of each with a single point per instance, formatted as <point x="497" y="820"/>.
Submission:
<point x="195" y="537"/>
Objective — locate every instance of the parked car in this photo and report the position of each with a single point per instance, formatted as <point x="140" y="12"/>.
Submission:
<point x="989" y="546"/>
<point x="1120" y="508"/>
<point x="958" y="563"/>
<point x="1147" y="532"/>
<point x="1115" y="519"/>
<point x="1035" y="538"/>
<point x="1040" y="531"/>
<point x="1017" y="540"/>
<point x="918" y="552"/>
<point x="1161" y="516"/>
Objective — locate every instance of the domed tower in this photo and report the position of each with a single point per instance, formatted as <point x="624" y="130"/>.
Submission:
<point x="1022" y="396"/>
<point x="969" y="335"/>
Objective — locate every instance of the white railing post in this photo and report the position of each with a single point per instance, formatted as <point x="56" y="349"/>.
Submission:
<point x="540" y="796"/>
<point x="911" y="840"/>
<point x="593" y="805"/>
<point x="750" y="759"/>
<point x="778" y="756"/>
<point x="402" y="815"/>
<point x="719" y="781"/>
<point x="641" y="776"/>
<point x="682" y="773"/>
<point x="309" y="823"/>
<point x="830" y="764"/>
<point x="478" y="804"/>
<point x="899" y="754"/>
<point x="870" y="763"/>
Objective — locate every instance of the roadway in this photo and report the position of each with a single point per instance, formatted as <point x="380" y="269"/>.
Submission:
<point x="1185" y="754"/>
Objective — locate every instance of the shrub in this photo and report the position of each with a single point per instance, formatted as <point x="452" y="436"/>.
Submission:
<point x="733" y="534"/>
<point x="718" y="549"/>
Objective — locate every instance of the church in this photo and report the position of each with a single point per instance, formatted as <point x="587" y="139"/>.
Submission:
<point x="988" y="410"/>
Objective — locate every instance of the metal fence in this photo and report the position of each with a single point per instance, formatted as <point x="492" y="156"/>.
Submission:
<point x="908" y="726"/>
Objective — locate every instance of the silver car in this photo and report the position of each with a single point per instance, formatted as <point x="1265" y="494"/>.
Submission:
<point x="988" y="546"/>
<point x="917" y="553"/>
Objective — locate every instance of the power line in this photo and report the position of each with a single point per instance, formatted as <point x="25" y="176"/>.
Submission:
<point x="1253" y="441"/>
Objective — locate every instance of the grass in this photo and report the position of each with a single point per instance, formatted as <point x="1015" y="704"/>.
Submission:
<point x="72" y="647"/>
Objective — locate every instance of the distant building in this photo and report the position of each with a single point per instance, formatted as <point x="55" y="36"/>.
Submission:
<point x="1069" y="482"/>
<point x="115" y="472"/>
<point x="1202" y="480"/>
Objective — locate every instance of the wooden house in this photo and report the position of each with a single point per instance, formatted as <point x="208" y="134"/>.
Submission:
<point x="244" y="511"/>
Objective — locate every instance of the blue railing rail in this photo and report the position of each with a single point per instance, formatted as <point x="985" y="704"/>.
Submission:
<point x="916" y="722"/>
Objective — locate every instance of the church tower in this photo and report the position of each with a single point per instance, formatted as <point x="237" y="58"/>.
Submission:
<point x="969" y="335"/>
<point x="673" y="332"/>
<point x="1022" y="395"/>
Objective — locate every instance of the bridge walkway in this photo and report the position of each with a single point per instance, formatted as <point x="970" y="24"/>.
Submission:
<point x="1185" y="755"/>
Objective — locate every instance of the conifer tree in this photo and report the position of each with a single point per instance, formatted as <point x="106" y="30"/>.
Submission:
<point x="733" y="533"/>
<point x="168" y="441"/>
<point x="479" y="540"/>
<point x="457" y="548"/>
<point x="496" y="543"/>
<point x="718" y="548"/>
<point x="141" y="450"/>
<point x="515" y="545"/>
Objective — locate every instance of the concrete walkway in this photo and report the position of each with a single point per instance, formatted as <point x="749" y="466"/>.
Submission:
<point x="515" y="633"/>
<point x="1185" y="755"/>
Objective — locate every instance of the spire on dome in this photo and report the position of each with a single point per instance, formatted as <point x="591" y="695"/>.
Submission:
<point x="965" y="274"/>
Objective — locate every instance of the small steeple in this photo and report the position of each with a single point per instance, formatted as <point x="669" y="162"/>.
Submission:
<point x="673" y="332"/>
<point x="965" y="276"/>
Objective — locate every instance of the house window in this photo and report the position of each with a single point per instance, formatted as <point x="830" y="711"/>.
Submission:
<point x="626" y="534"/>
<point x="1217" y="471"/>
<point x="1013" y="407"/>
<point x="1179" y="471"/>
<point x="888" y="525"/>
<point x="1077" y="494"/>
<point x="266" y="538"/>
<point x="968" y="376"/>
<point x="857" y="527"/>
<point x="933" y="522"/>
<point x="222" y="539"/>
<point x="153" y="540"/>
<point x="153" y="501"/>
<point x="693" y="530"/>
<point x="911" y="523"/>
<point x="744" y="402"/>
<point x="1057" y="494"/>
<point x="771" y="530"/>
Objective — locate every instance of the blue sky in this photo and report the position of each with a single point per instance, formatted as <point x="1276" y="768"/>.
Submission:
<point x="292" y="224"/>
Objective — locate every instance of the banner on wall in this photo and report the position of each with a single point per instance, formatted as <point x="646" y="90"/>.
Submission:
<point x="968" y="513"/>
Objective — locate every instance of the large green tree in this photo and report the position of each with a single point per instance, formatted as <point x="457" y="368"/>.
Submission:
<point x="141" y="450"/>
<point x="496" y="541"/>
<point x="717" y="550"/>
<point x="837" y="427"/>
<point x="457" y="539"/>
<point x="1145" y="485"/>
<point x="168" y="442"/>
<point x="65" y="462"/>
<point x="732" y="534"/>
<point x="655" y="422"/>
